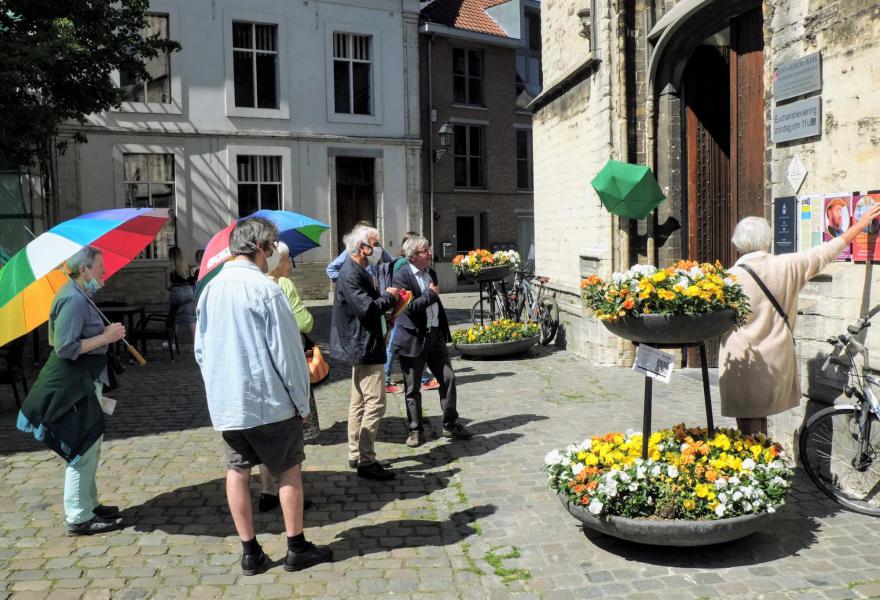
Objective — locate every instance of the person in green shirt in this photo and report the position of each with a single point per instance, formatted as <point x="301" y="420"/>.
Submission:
<point x="280" y="266"/>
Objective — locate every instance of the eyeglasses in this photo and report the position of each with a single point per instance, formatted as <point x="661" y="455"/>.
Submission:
<point x="425" y="251"/>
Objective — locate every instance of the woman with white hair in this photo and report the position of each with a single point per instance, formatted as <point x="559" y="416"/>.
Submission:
<point x="758" y="373"/>
<point x="280" y="266"/>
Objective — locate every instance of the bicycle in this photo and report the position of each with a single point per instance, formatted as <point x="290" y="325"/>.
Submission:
<point x="521" y="303"/>
<point x="839" y="444"/>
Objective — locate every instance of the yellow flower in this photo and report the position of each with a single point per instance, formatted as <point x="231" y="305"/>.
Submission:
<point x="658" y="276"/>
<point x="721" y="442"/>
<point x="702" y="490"/>
<point x="689" y="504"/>
<point x="692" y="291"/>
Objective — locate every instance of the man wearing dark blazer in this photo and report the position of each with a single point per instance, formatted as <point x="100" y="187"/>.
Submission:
<point x="422" y="334"/>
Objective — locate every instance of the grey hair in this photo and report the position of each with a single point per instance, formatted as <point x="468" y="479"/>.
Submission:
<point x="411" y="246"/>
<point x="359" y="236"/>
<point x="250" y="235"/>
<point x="281" y="250"/>
<point x="85" y="257"/>
<point x="752" y="234"/>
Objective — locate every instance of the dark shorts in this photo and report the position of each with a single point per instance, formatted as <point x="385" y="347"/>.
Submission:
<point x="279" y="446"/>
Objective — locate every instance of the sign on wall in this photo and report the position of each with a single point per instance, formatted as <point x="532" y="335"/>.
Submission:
<point x="797" y="120"/>
<point x="785" y="225"/>
<point x="797" y="77"/>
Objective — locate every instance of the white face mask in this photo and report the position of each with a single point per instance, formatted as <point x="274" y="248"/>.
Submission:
<point x="93" y="285"/>
<point x="376" y="257"/>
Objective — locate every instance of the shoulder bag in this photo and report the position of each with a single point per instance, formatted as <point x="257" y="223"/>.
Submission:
<point x="770" y="296"/>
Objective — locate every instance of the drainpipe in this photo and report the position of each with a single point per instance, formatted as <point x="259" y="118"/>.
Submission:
<point x="431" y="147"/>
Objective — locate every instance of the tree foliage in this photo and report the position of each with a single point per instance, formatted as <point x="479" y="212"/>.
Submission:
<point x="56" y="61"/>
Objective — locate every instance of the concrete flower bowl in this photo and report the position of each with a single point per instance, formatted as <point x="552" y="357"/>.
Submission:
<point x="671" y="532"/>
<point x="497" y="349"/>
<point x="490" y="274"/>
<point x="672" y="329"/>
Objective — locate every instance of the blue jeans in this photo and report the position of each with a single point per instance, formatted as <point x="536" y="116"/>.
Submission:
<point x="389" y="358"/>
<point x="80" y="487"/>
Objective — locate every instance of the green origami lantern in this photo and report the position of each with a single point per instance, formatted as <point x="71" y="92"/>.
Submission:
<point x="628" y="190"/>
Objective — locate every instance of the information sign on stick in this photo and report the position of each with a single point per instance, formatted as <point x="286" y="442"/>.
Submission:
<point x="654" y="363"/>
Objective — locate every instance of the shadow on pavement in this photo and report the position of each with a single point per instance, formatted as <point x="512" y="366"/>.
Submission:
<point x="338" y="496"/>
<point x="792" y="532"/>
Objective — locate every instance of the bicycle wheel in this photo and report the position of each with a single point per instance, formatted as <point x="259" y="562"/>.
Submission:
<point x="485" y="315"/>
<point x="831" y="455"/>
<point x="547" y="314"/>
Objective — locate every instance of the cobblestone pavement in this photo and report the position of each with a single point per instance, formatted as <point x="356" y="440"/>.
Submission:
<point x="463" y="520"/>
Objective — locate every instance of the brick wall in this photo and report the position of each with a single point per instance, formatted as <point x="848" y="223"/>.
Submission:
<point x="500" y="199"/>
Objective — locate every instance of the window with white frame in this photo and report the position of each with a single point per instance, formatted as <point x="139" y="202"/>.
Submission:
<point x="149" y="182"/>
<point x="255" y="64"/>
<point x="469" y="151"/>
<point x="352" y="73"/>
<point x="259" y="183"/>
<point x="524" y="177"/>
<point x="157" y="88"/>
<point x="467" y="76"/>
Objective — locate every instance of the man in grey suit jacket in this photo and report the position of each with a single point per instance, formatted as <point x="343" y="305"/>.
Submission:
<point x="422" y="333"/>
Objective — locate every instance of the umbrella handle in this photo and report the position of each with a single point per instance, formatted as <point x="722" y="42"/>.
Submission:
<point x="137" y="355"/>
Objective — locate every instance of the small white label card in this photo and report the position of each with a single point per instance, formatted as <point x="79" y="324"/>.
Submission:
<point x="654" y="363"/>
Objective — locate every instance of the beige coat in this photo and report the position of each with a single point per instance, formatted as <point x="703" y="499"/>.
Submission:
<point x="758" y="372"/>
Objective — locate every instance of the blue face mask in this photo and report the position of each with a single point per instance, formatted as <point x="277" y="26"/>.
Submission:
<point x="92" y="285"/>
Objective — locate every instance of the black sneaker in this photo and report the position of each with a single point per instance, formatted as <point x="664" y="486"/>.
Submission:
<point x="415" y="439"/>
<point x="310" y="556"/>
<point x="457" y="431"/>
<point x="106" y="512"/>
<point x="254" y="564"/>
<point x="376" y="471"/>
<point x="93" y="526"/>
<point x="352" y="463"/>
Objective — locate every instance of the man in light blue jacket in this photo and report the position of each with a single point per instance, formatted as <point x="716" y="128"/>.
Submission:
<point x="248" y="348"/>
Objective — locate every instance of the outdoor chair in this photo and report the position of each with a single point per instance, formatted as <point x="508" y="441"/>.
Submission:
<point x="158" y="326"/>
<point x="12" y="369"/>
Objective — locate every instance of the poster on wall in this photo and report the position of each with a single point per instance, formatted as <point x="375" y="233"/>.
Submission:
<point x="836" y="218"/>
<point x="810" y="234"/>
<point x="785" y="225"/>
<point x="865" y="246"/>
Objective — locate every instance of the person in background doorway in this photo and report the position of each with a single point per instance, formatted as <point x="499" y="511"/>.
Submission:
<point x="180" y="282"/>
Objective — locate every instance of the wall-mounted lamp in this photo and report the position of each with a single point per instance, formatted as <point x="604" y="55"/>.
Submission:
<point x="586" y="17"/>
<point x="447" y="135"/>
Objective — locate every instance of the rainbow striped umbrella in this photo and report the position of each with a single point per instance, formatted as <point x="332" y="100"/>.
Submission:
<point x="299" y="232"/>
<point x="31" y="278"/>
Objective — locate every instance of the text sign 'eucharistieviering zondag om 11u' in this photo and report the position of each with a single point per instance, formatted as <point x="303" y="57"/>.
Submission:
<point x="797" y="120"/>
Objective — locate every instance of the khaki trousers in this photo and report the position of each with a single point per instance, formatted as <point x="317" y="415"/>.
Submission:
<point x="365" y="411"/>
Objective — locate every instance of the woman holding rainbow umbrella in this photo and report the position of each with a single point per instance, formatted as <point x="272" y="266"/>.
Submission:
<point x="64" y="408"/>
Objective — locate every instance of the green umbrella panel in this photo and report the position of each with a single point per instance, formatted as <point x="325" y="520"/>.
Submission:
<point x="627" y="190"/>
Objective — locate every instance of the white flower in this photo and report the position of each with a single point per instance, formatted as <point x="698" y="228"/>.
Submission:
<point x="777" y="464"/>
<point x="720" y="483"/>
<point x="643" y="270"/>
<point x="734" y="480"/>
<point x="595" y="506"/>
<point x="737" y="495"/>
<point x="695" y="273"/>
<point x="771" y="510"/>
<point x="655" y="470"/>
<point x="554" y="457"/>
<point x="683" y="282"/>
<point x="618" y="278"/>
<point x="748" y="491"/>
<point x="722" y="497"/>
<point x="683" y="447"/>
<point x="641" y="472"/>
<point x="672" y="472"/>
<point x="719" y="510"/>
<point x="728" y="282"/>
<point x="587" y="444"/>
<point x="778" y="481"/>
<point x="747" y="506"/>
<point x="633" y="486"/>
<point x="577" y="468"/>
<point x="624" y="476"/>
<point x="749" y="464"/>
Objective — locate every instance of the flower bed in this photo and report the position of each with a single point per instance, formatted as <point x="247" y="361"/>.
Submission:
<point x="475" y="261"/>
<point x="503" y="330"/>
<point x="689" y="475"/>
<point x="686" y="287"/>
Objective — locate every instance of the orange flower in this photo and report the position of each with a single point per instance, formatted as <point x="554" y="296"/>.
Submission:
<point x="593" y="485"/>
<point x="711" y="476"/>
<point x="585" y="500"/>
<point x="629" y="303"/>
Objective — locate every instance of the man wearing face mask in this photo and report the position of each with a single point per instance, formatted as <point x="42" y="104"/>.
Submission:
<point x="248" y="348"/>
<point x="64" y="407"/>
<point x="356" y="336"/>
<point x="380" y="257"/>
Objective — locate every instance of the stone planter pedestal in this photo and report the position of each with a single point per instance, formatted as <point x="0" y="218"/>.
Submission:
<point x="671" y="532"/>
<point x="497" y="349"/>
